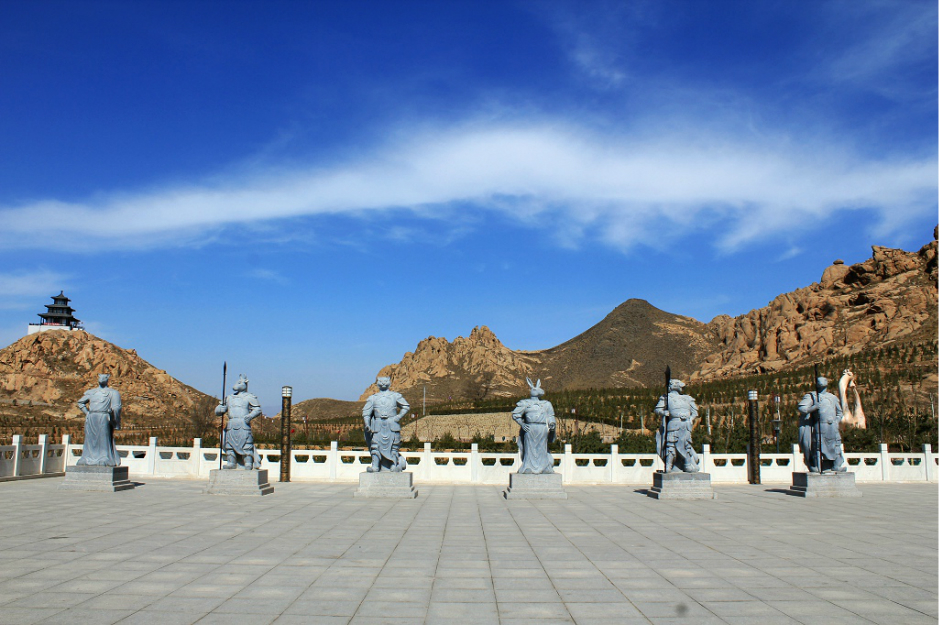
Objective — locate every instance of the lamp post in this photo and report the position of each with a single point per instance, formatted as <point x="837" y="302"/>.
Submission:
<point x="286" y="395"/>
<point x="753" y="449"/>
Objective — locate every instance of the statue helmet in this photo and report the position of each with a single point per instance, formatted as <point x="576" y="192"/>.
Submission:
<point x="383" y="380"/>
<point x="821" y="382"/>
<point x="675" y="384"/>
<point x="241" y="384"/>
<point x="103" y="377"/>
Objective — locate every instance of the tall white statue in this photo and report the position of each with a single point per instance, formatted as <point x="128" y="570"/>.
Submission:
<point x="537" y="428"/>
<point x="102" y="408"/>
<point x="242" y="407"/>
<point x="382" y="415"/>
<point x="852" y="416"/>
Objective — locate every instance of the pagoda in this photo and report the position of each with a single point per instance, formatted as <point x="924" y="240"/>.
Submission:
<point x="58" y="316"/>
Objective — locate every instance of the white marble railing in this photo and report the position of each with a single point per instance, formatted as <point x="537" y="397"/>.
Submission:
<point x="469" y="467"/>
<point x="19" y="460"/>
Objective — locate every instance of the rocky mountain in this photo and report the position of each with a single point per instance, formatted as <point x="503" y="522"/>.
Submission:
<point x="472" y="367"/>
<point x="46" y="373"/>
<point x="889" y="298"/>
<point x="630" y="347"/>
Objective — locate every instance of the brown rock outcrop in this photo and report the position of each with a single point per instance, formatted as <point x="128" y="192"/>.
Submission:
<point x="891" y="296"/>
<point x="51" y="370"/>
<point x="472" y="367"/>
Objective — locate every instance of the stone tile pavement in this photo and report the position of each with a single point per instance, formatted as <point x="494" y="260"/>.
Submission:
<point x="311" y="553"/>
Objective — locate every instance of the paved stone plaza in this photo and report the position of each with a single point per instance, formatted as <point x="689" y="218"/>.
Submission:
<point x="165" y="553"/>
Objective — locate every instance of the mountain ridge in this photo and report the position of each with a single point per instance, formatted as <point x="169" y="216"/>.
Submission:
<point x="890" y="297"/>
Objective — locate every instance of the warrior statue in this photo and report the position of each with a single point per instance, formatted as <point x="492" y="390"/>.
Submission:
<point x="102" y="408"/>
<point x="238" y="443"/>
<point x="535" y="417"/>
<point x="821" y="409"/>
<point x="673" y="438"/>
<point x="382" y="414"/>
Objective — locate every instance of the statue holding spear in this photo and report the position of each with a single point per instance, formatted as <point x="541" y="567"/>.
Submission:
<point x="820" y="417"/>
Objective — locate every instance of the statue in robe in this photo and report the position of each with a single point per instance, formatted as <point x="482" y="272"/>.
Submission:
<point x="102" y="408"/>
<point x="238" y="442"/>
<point x="673" y="439"/>
<point x="382" y="415"/>
<point x="821" y="410"/>
<point x="537" y="428"/>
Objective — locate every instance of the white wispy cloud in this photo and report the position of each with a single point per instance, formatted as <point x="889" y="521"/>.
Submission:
<point x="581" y="185"/>
<point x="267" y="275"/>
<point x="21" y="289"/>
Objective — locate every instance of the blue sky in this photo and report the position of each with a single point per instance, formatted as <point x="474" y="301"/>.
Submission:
<point x="307" y="189"/>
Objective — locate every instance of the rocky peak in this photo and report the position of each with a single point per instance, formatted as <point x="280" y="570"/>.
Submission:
<point x="52" y="369"/>
<point x="890" y="296"/>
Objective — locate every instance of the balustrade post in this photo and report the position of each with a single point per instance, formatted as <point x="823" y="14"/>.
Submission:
<point x="66" y="450"/>
<point x="332" y="458"/>
<point x="567" y="468"/>
<point x="43" y="452"/>
<point x="927" y="460"/>
<point x="614" y="462"/>
<point x="884" y="462"/>
<point x="798" y="462"/>
<point x="474" y="463"/>
<point x="705" y="458"/>
<point x="427" y="462"/>
<point x="195" y="460"/>
<point x="17" y="453"/>
<point x="151" y="456"/>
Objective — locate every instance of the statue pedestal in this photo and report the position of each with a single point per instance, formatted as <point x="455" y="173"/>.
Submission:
<point x="386" y="484"/>
<point x="823" y="485"/>
<point x="681" y="486"/>
<point x="535" y="486"/>
<point x="96" y="479"/>
<point x="238" y="482"/>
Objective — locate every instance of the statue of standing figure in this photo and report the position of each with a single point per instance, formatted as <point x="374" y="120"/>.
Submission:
<point x="382" y="414"/>
<point x="673" y="438"/>
<point x="820" y="417"/>
<point x="538" y="427"/>
<point x="238" y="442"/>
<point x="102" y="408"/>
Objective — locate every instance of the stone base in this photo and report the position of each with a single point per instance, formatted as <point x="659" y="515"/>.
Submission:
<point x="386" y="484"/>
<point x="238" y="482"/>
<point x="823" y="485"/>
<point x="96" y="479"/>
<point x="681" y="486"/>
<point x="535" y="486"/>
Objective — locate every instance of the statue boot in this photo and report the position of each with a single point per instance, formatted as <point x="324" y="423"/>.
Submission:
<point x="670" y="461"/>
<point x="231" y="461"/>
<point x="376" y="464"/>
<point x="249" y="463"/>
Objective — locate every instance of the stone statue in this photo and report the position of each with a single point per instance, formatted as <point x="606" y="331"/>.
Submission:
<point x="856" y="416"/>
<point x="673" y="439"/>
<point x="535" y="417"/>
<point x="238" y="442"/>
<point x="382" y="414"/>
<point x="821" y="409"/>
<point x="102" y="408"/>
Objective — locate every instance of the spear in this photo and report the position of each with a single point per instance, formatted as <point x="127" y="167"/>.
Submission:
<point x="664" y="426"/>
<point x="818" y="423"/>
<point x="221" y="418"/>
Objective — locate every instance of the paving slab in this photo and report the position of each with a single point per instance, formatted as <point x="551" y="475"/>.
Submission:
<point x="312" y="553"/>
